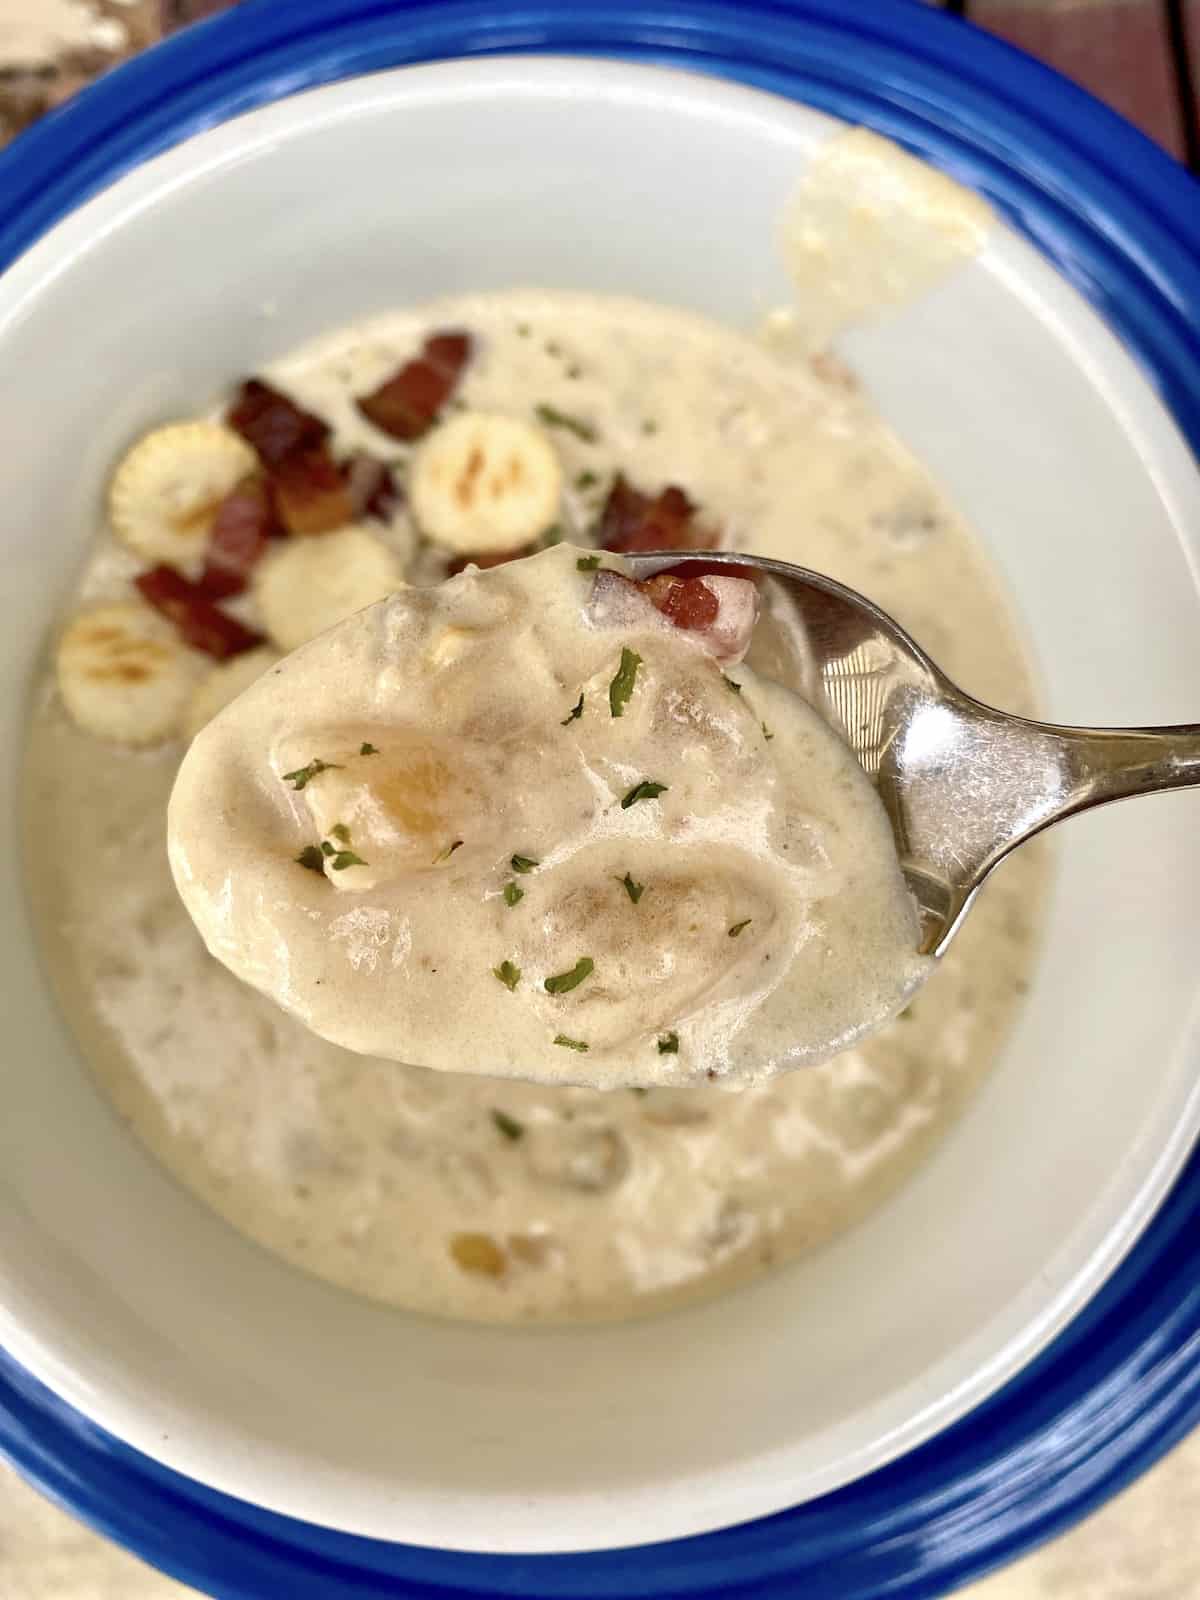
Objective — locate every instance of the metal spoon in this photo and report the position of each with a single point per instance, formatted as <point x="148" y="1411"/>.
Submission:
<point x="962" y="783"/>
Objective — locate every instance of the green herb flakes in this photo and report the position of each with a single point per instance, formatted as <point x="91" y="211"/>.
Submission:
<point x="340" y="831"/>
<point x="646" y="790"/>
<point x="635" y="891"/>
<point x="512" y="893"/>
<point x="552" y="536"/>
<point x="344" y="859"/>
<point x="668" y="1045"/>
<point x="551" y="417"/>
<point x="444" y="855"/>
<point x="620" y="690"/>
<point x="509" y="975"/>
<point x="738" y="926"/>
<point x="575" y="711"/>
<point x="587" y="563"/>
<point x="328" y="849"/>
<point x="586" y="480"/>
<point x="508" y="1126"/>
<point x="305" y="775"/>
<point x="570" y="1044"/>
<point x="563" y="982"/>
<point x="366" y="749"/>
<point x="311" y="858"/>
<point x="522" y="863"/>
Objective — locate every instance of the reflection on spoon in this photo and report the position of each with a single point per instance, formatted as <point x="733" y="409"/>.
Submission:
<point x="962" y="783"/>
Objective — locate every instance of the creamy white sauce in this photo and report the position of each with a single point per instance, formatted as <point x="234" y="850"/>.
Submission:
<point x="420" y="744"/>
<point x="402" y="1183"/>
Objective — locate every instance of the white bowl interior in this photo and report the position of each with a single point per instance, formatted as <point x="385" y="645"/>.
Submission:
<point x="154" y="1318"/>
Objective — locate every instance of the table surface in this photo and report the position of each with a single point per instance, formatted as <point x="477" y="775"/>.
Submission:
<point x="1143" y="57"/>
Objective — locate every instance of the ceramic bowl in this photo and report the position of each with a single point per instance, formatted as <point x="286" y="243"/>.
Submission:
<point x="145" y="1314"/>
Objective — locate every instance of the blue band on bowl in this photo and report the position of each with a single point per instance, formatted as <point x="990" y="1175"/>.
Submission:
<point x="1122" y="221"/>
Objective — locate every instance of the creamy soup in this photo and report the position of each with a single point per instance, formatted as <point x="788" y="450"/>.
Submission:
<point x="705" y="883"/>
<point x="459" y="1194"/>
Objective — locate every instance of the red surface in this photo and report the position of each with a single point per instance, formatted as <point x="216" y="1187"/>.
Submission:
<point x="1116" y="48"/>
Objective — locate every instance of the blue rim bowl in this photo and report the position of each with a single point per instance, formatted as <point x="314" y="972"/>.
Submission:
<point x="1119" y="219"/>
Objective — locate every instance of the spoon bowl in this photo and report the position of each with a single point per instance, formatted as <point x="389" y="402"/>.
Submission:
<point x="962" y="783"/>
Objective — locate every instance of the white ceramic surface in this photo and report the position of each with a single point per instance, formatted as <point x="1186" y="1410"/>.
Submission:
<point x="148" y="1313"/>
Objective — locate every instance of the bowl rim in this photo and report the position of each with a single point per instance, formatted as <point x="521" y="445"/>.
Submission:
<point x="1120" y="220"/>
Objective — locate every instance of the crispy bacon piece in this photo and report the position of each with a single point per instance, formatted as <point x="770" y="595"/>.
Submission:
<point x="687" y="602"/>
<point x="718" y="606"/>
<point x="202" y="624"/>
<point x="244" y="524"/>
<point x="408" y="403"/>
<point x="276" y="426"/>
<point x="374" y="492"/>
<point x="635" y="522"/>
<point x="718" y="611"/>
<point x="311" y="494"/>
<point x="489" y="558"/>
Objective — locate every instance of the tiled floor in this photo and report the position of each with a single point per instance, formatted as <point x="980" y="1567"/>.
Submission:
<point x="1143" y="56"/>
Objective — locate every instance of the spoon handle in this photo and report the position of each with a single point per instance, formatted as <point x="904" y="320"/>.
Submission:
<point x="1103" y="764"/>
<point x="966" y="784"/>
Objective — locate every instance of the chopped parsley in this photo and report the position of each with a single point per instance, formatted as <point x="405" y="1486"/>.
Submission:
<point x="303" y="775"/>
<point x="508" y="1126"/>
<point x="562" y="982"/>
<point x="635" y="891"/>
<point x="767" y="734"/>
<point x="552" y="536"/>
<point x="311" y="858"/>
<point x="509" y="975"/>
<point x="366" y="749"/>
<point x="346" y="858"/>
<point x="575" y="711"/>
<point x="732" y="683"/>
<point x="668" y="1045"/>
<point x="620" y="690"/>
<point x="552" y="417"/>
<point x="649" y="426"/>
<point x="570" y="1044"/>
<point x="340" y="831"/>
<point x="587" y="563"/>
<point x="444" y="855"/>
<point x="327" y="849"/>
<point x="586" y="480"/>
<point x="738" y="926"/>
<point x="513" y="893"/>
<point x="522" y="863"/>
<point x="646" y="790"/>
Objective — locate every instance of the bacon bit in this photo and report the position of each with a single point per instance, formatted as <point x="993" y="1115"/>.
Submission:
<point x="311" y="495"/>
<point x="408" y="403"/>
<point x="275" y="426"/>
<point x="489" y="558"/>
<point x="374" y="491"/>
<point x="635" y="522"/>
<point x="242" y="528"/>
<point x="202" y="625"/>
<point x="719" y="611"/>
<point x="687" y="602"/>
